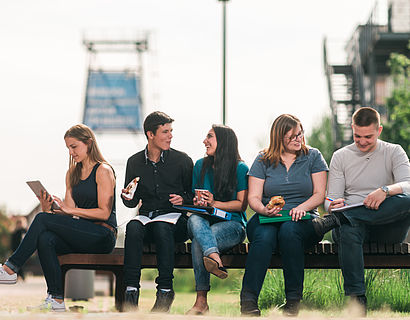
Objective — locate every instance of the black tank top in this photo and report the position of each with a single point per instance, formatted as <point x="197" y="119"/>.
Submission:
<point x="85" y="196"/>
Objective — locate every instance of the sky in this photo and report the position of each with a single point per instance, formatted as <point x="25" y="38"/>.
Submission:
<point x="274" y="66"/>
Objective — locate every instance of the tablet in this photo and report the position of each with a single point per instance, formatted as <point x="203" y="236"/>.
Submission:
<point x="37" y="187"/>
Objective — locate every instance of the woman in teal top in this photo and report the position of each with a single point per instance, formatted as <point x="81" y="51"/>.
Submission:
<point x="223" y="175"/>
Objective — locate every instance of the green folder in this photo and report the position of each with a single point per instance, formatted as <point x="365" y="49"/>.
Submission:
<point x="285" y="217"/>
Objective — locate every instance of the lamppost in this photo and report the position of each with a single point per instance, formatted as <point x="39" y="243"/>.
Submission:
<point x="224" y="60"/>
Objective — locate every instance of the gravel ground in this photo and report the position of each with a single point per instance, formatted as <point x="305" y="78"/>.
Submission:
<point x="15" y="298"/>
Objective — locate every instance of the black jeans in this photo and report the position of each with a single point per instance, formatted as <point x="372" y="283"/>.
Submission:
<point x="390" y="224"/>
<point x="291" y="238"/>
<point x="54" y="234"/>
<point x="163" y="235"/>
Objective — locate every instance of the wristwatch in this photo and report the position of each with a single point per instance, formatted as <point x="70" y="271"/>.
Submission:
<point x="385" y="190"/>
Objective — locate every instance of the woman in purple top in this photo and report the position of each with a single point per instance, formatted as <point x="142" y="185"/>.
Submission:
<point x="290" y="169"/>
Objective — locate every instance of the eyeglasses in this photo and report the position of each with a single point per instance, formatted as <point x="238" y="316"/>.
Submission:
<point x="296" y="137"/>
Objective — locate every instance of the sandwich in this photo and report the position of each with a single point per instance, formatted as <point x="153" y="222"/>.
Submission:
<point x="276" y="201"/>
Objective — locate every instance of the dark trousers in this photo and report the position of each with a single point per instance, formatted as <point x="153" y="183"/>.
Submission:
<point x="163" y="235"/>
<point x="389" y="224"/>
<point x="292" y="238"/>
<point x="54" y="234"/>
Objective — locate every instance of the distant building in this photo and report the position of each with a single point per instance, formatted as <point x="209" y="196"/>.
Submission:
<point x="364" y="80"/>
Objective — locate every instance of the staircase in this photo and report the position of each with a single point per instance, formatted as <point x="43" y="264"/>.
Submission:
<point x="344" y="96"/>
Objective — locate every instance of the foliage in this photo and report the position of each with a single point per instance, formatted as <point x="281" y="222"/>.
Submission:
<point x="321" y="138"/>
<point x="397" y="127"/>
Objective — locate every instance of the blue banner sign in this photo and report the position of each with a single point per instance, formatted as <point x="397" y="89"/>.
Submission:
<point x="113" y="101"/>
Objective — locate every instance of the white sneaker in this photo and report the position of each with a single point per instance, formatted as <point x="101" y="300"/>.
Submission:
<point x="6" y="278"/>
<point x="49" y="304"/>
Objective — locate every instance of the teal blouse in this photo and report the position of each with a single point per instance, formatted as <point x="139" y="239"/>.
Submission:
<point x="208" y="184"/>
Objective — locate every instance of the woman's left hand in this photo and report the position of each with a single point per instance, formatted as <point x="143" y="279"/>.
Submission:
<point x="46" y="201"/>
<point x="209" y="198"/>
<point x="297" y="214"/>
<point x="63" y="207"/>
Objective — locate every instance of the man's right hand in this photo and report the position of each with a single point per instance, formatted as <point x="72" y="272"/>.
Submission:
<point x="337" y="203"/>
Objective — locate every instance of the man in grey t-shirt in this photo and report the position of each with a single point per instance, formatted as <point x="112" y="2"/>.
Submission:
<point x="377" y="174"/>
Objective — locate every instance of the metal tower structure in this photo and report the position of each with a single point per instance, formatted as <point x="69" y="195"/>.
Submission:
<point x="114" y="99"/>
<point x="363" y="80"/>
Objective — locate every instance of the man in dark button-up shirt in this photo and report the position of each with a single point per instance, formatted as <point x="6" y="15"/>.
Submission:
<point x="165" y="180"/>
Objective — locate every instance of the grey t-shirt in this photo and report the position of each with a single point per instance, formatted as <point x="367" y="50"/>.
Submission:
<point x="354" y="174"/>
<point x="295" y="185"/>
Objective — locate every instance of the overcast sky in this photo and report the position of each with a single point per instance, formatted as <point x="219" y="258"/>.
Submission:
<point x="274" y="53"/>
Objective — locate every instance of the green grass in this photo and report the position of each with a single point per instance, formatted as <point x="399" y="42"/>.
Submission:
<point x="387" y="291"/>
<point x="389" y="288"/>
<point x="184" y="280"/>
<point x="323" y="290"/>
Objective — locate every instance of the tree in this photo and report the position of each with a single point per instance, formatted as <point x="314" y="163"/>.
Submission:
<point x="321" y="138"/>
<point x="397" y="127"/>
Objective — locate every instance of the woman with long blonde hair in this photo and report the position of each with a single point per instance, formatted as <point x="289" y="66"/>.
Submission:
<point x="290" y="169"/>
<point x="84" y="222"/>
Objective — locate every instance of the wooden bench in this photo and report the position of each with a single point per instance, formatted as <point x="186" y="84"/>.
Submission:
<point x="321" y="256"/>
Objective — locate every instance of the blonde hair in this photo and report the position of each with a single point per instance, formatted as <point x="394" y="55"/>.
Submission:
<point x="84" y="134"/>
<point x="282" y="125"/>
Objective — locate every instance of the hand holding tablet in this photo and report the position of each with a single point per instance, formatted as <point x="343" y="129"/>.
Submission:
<point x="38" y="188"/>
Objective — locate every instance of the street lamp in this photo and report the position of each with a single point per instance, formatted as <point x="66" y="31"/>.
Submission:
<point x="224" y="60"/>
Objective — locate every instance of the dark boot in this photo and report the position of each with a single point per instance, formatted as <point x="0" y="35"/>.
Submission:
<point x="249" y="308"/>
<point x="291" y="308"/>
<point x="361" y="301"/>
<point x="163" y="301"/>
<point x="325" y="224"/>
<point x="131" y="300"/>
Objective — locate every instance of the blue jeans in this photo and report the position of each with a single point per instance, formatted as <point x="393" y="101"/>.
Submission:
<point x="390" y="223"/>
<point x="163" y="235"/>
<point x="54" y="234"/>
<point x="208" y="238"/>
<point x="292" y="238"/>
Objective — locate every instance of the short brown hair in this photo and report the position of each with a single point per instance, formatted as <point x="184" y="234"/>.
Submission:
<point x="154" y="120"/>
<point x="365" y="116"/>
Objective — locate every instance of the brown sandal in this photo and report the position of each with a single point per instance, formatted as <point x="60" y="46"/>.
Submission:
<point x="212" y="266"/>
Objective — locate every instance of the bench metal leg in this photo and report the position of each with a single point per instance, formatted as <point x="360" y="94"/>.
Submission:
<point x="119" y="290"/>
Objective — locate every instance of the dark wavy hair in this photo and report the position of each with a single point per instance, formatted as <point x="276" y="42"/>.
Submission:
<point x="224" y="163"/>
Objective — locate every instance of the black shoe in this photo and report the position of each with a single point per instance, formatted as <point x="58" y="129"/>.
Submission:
<point x="291" y="308"/>
<point x="249" y="308"/>
<point x="361" y="301"/>
<point x="131" y="300"/>
<point x="325" y="224"/>
<point x="163" y="301"/>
